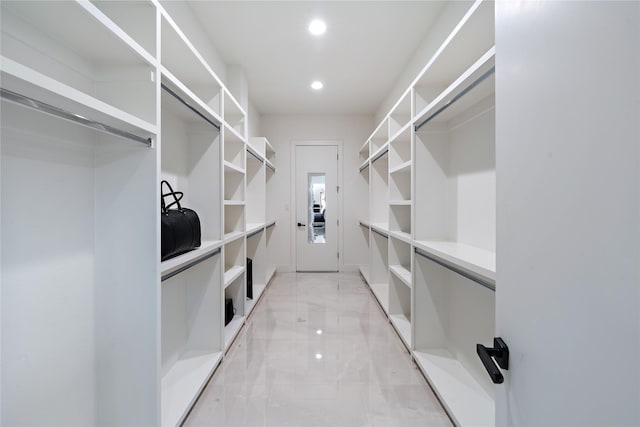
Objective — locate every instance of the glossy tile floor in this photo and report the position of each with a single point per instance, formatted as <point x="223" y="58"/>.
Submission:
<point x="317" y="351"/>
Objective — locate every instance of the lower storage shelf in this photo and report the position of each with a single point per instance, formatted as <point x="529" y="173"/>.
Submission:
<point x="463" y="397"/>
<point x="182" y="385"/>
<point x="232" y="329"/>
<point x="381" y="291"/>
<point x="250" y="304"/>
<point x="403" y="326"/>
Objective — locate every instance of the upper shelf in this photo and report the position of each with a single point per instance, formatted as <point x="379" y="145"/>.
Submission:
<point x="61" y="58"/>
<point x="184" y="103"/>
<point x="471" y="38"/>
<point x="27" y="82"/>
<point x="183" y="61"/>
<point x="479" y="262"/>
<point x="475" y="84"/>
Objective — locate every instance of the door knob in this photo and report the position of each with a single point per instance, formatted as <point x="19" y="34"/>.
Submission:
<point x="499" y="352"/>
<point x="301" y="224"/>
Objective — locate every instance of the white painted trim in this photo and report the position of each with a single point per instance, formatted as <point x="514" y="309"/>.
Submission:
<point x="292" y="210"/>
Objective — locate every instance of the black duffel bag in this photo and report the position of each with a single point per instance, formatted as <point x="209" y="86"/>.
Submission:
<point x="180" y="231"/>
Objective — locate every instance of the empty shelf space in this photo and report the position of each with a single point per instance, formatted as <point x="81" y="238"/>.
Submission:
<point x="234" y="235"/>
<point x="234" y="202"/>
<point x="232" y="329"/>
<point x="181" y="386"/>
<point x="30" y="83"/>
<point x="402" y="273"/>
<point x="206" y="247"/>
<point x="381" y="292"/>
<point x="399" y="202"/>
<point x="364" y="270"/>
<point x="402" y="168"/>
<point x="465" y="400"/>
<point x="380" y="227"/>
<point x="447" y="105"/>
<point x="250" y="304"/>
<point x="232" y="274"/>
<point x="480" y="262"/>
<point x="230" y="167"/>
<point x="403" y="326"/>
<point x="252" y="227"/>
<point x="405" y="237"/>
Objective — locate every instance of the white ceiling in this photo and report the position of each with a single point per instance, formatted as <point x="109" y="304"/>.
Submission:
<point x="365" y="48"/>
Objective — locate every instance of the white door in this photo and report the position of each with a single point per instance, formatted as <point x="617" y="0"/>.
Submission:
<point x="316" y="175"/>
<point x="568" y="230"/>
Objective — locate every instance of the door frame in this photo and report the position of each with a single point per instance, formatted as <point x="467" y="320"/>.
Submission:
<point x="292" y="220"/>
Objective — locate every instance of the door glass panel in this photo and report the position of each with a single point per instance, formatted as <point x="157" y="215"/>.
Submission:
<point x="317" y="204"/>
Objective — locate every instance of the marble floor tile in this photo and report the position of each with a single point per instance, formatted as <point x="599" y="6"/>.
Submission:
<point x="317" y="351"/>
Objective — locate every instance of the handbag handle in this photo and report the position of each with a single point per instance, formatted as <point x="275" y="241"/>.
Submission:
<point x="177" y="196"/>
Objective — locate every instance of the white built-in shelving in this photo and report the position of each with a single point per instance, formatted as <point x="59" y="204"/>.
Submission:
<point x="130" y="101"/>
<point x="430" y="229"/>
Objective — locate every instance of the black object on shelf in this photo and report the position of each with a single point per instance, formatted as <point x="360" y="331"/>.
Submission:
<point x="249" y="278"/>
<point x="228" y="311"/>
<point x="499" y="352"/>
<point x="180" y="228"/>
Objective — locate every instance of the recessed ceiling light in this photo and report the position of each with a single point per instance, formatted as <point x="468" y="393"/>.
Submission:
<point x="317" y="27"/>
<point x="317" y="85"/>
<point x="318" y="356"/>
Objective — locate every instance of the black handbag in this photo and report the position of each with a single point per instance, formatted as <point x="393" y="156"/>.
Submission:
<point x="229" y="311"/>
<point x="180" y="228"/>
<point x="249" y="278"/>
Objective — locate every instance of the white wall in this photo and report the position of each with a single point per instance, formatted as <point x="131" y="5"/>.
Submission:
<point x="254" y="119"/>
<point x="444" y="24"/>
<point x="352" y="131"/>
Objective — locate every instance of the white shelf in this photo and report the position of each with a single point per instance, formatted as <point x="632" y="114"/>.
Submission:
<point x="465" y="400"/>
<point x="234" y="133"/>
<point x="364" y="270"/>
<point x="28" y="82"/>
<point x="405" y="237"/>
<point x="205" y="248"/>
<point x="403" y="168"/>
<point x="232" y="329"/>
<point x="379" y="151"/>
<point x="270" y="273"/>
<point x="484" y="89"/>
<point x="173" y="83"/>
<point x="382" y="228"/>
<point x="401" y="273"/>
<point x="234" y="202"/>
<point x="401" y="130"/>
<point x="230" y="167"/>
<point x="364" y="165"/>
<point x="403" y="326"/>
<point x="478" y="261"/>
<point x="399" y="202"/>
<point x="250" y="304"/>
<point x="182" y="385"/>
<point x="251" y="227"/>
<point x="234" y="235"/>
<point x="232" y="274"/>
<point x="381" y="292"/>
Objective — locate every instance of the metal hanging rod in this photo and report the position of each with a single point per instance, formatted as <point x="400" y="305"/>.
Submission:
<point x="379" y="233"/>
<point x="188" y="266"/>
<point x="453" y="100"/>
<point x="364" y="226"/>
<point x="255" y="155"/>
<point x="186" y="104"/>
<point x="457" y="270"/>
<point x="67" y="115"/>
<point x="364" y="167"/>
<point x="270" y="167"/>
<point x="270" y="225"/>
<point x="255" y="233"/>
<point x="379" y="156"/>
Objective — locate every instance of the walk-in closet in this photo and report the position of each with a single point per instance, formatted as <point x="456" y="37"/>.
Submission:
<point x="358" y="213"/>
